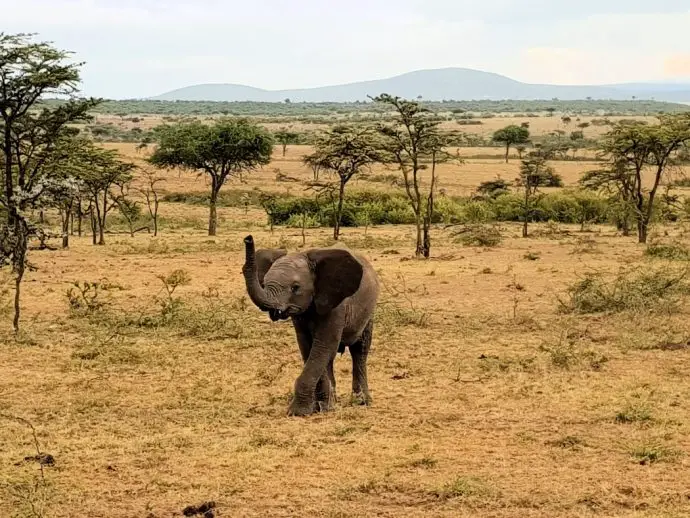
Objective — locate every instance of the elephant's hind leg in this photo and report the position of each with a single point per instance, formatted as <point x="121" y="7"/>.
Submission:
<point x="359" y="351"/>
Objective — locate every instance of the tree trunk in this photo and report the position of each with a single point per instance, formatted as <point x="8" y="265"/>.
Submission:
<point x="527" y="211"/>
<point x="101" y="233"/>
<point x="304" y="229"/>
<point x="642" y="230"/>
<point x="426" y="243"/>
<point x="101" y="223"/>
<point x="19" y="265"/>
<point x="625" y="224"/>
<point x="65" y="228"/>
<point x="9" y="186"/>
<point x="80" y="215"/>
<point x="17" y="296"/>
<point x="642" y="224"/>
<point x="428" y="218"/>
<point x="339" y="211"/>
<point x="419" y="247"/>
<point x="507" y="152"/>
<point x="94" y="227"/>
<point x="284" y="149"/>
<point x="155" y="221"/>
<point x="213" y="215"/>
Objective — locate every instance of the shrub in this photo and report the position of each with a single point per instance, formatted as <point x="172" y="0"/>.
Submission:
<point x="479" y="235"/>
<point x="494" y="188"/>
<point x="635" y="289"/>
<point x="303" y="220"/>
<point x="672" y="251"/>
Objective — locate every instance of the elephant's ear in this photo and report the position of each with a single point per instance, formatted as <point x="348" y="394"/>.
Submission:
<point x="265" y="257"/>
<point x="337" y="276"/>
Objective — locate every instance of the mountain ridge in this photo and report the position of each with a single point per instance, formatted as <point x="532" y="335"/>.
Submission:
<point x="460" y="84"/>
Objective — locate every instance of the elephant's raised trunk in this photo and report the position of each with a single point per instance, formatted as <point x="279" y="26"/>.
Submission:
<point x="251" y="277"/>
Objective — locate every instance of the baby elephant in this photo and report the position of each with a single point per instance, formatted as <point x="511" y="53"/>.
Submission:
<point x="330" y="295"/>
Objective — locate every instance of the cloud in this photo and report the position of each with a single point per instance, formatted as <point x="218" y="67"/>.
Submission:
<point x="143" y="47"/>
<point x="560" y="65"/>
<point x="677" y="66"/>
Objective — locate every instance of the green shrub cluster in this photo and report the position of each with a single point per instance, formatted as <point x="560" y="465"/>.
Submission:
<point x="393" y="208"/>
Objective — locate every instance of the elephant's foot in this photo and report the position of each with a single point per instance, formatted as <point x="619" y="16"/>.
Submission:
<point x="325" y="404"/>
<point x="361" y="399"/>
<point x="299" y="408"/>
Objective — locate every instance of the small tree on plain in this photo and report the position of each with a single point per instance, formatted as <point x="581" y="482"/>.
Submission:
<point x="645" y="148"/>
<point x="151" y="194"/>
<point x="414" y="144"/>
<point x="102" y="171"/>
<point x="534" y="173"/>
<point x="512" y="135"/>
<point x="344" y="151"/>
<point x="222" y="150"/>
<point x="128" y="207"/>
<point x="286" y="137"/>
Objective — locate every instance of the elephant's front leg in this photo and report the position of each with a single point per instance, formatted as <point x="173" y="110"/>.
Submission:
<point x="325" y="389"/>
<point x="324" y="344"/>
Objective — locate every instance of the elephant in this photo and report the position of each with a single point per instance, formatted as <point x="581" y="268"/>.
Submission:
<point x="330" y="294"/>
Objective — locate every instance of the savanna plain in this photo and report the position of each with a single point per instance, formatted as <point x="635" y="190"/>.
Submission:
<point x="496" y="392"/>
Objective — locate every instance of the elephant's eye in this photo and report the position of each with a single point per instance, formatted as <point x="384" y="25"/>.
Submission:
<point x="295" y="288"/>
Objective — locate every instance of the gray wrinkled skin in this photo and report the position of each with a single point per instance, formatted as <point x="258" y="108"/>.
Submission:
<point x="330" y="294"/>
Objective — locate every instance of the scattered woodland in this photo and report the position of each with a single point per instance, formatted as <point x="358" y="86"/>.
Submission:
<point x="531" y="350"/>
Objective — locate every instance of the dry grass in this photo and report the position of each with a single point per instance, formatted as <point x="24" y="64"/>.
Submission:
<point x="487" y="400"/>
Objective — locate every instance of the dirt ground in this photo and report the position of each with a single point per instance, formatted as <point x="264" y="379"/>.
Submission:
<point x="488" y="399"/>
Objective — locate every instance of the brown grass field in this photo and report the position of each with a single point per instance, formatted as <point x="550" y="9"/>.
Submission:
<point x="488" y="399"/>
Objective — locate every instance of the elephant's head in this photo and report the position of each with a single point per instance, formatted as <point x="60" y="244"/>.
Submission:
<point x="286" y="285"/>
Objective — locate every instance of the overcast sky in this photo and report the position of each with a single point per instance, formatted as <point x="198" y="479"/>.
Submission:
<point x="137" y="48"/>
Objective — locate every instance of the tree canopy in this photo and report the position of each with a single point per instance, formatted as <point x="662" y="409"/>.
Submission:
<point x="29" y="133"/>
<point x="223" y="149"/>
<point x="511" y="136"/>
<point x="634" y="149"/>
<point x="345" y="151"/>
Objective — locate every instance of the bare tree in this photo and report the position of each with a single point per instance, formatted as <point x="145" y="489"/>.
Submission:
<point x="151" y="194"/>
<point x="414" y="144"/>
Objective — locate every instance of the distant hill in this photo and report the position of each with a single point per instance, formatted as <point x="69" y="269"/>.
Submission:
<point x="460" y="84"/>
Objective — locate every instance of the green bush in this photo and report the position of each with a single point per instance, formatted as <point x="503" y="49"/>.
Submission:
<point x="672" y="251"/>
<point x="393" y="208"/>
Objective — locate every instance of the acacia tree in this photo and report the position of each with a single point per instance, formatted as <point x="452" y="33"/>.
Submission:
<point x="646" y="148"/>
<point x="618" y="182"/>
<point x="103" y="171"/>
<point x="222" y="150"/>
<point x="65" y="166"/>
<point x="534" y="173"/>
<point x="414" y="144"/>
<point x="512" y="135"/>
<point x="29" y="132"/>
<point x="344" y="151"/>
<point x="286" y="137"/>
